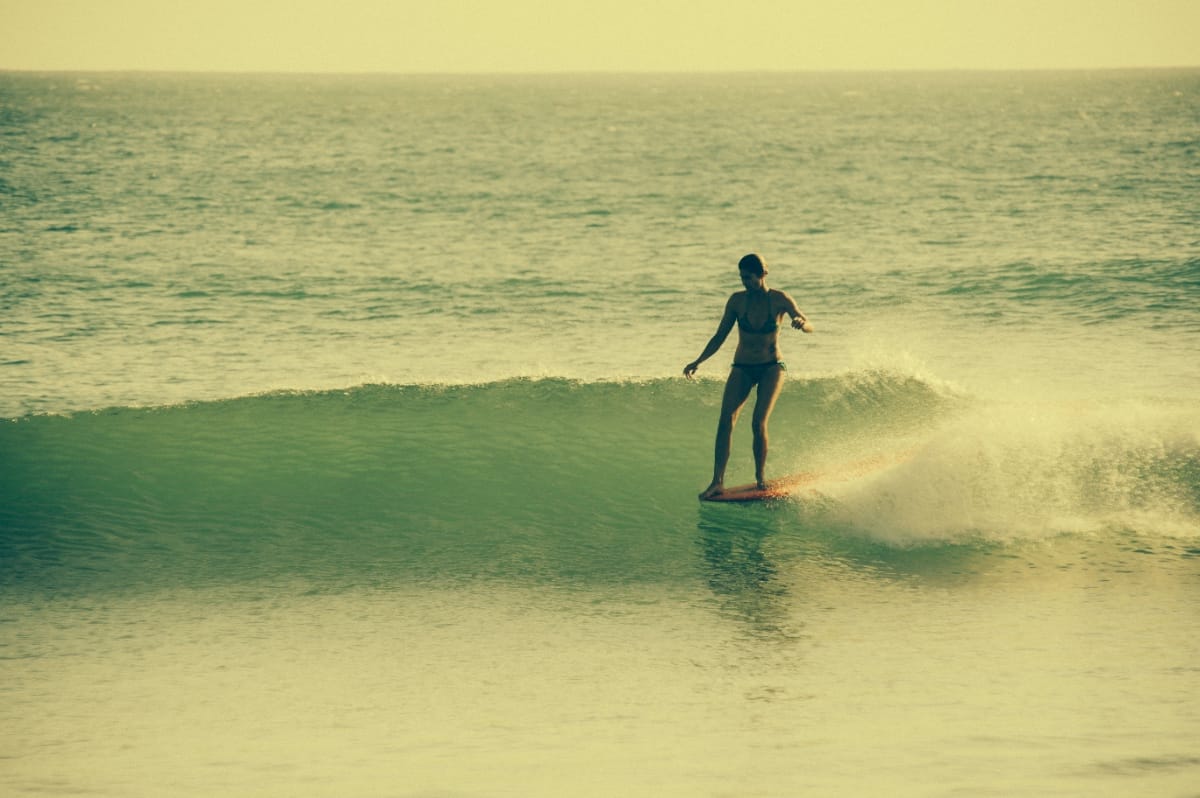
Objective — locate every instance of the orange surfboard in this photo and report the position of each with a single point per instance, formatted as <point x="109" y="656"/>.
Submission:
<point x="780" y="488"/>
<point x="788" y="486"/>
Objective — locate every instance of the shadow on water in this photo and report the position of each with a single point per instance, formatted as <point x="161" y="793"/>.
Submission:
<point x="758" y="559"/>
<point x="741" y="570"/>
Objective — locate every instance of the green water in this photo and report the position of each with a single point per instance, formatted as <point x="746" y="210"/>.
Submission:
<point x="1009" y="672"/>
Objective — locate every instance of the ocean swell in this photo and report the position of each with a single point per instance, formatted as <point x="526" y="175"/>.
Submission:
<point x="556" y="480"/>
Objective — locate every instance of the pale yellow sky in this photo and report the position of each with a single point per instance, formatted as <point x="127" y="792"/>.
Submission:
<point x="595" y="35"/>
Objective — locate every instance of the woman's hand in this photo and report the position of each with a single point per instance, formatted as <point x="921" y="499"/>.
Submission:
<point x="802" y="324"/>
<point x="689" y="370"/>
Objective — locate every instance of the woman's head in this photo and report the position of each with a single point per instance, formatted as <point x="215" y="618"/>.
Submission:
<point x="753" y="264"/>
<point x="753" y="272"/>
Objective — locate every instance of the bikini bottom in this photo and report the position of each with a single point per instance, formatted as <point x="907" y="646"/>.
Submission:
<point x="755" y="372"/>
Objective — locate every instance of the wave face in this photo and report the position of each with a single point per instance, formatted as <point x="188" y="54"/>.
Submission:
<point x="557" y="481"/>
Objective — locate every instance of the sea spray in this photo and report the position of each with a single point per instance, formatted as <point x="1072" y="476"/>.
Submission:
<point x="1003" y="472"/>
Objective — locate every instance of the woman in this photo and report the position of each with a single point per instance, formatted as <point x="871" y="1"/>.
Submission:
<point x="756" y="312"/>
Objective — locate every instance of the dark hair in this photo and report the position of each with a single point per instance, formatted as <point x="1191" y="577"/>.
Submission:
<point x="752" y="263"/>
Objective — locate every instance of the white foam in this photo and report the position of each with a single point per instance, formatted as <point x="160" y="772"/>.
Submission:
<point x="1030" y="471"/>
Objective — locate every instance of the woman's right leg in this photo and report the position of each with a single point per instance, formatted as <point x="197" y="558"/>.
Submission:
<point x="737" y="389"/>
<point x="768" y="391"/>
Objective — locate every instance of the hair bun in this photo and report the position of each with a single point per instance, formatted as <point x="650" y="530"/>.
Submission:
<point x="752" y="263"/>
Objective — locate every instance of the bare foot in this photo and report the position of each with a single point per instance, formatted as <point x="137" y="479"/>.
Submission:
<point x="715" y="489"/>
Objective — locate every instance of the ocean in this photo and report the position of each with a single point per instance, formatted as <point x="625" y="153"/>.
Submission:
<point x="345" y="449"/>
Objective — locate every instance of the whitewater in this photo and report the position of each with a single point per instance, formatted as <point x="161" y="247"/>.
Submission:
<point x="344" y="445"/>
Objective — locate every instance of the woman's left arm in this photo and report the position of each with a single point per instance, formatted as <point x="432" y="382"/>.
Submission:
<point x="799" y="320"/>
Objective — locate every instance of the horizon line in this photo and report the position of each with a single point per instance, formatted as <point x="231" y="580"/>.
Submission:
<point x="588" y="72"/>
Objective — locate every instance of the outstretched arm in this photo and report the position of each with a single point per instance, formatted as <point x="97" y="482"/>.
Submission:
<point x="799" y="320"/>
<point x="714" y="343"/>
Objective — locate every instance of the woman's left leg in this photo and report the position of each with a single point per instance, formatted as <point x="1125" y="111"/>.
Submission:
<point x="737" y="390"/>
<point x="768" y="391"/>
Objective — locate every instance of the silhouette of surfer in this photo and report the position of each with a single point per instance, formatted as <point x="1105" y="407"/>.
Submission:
<point x="756" y="363"/>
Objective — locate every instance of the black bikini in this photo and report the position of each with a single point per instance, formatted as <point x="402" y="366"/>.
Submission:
<point x="770" y="326"/>
<point x="756" y="371"/>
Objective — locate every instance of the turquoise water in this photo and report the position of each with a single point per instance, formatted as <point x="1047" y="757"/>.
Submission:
<point x="345" y="448"/>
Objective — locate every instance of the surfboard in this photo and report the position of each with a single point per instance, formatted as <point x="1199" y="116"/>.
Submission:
<point x="790" y="486"/>
<point x="781" y="488"/>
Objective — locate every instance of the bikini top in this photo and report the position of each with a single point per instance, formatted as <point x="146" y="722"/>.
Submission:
<point x="770" y="326"/>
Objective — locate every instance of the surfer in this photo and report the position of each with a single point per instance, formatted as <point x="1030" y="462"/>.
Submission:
<point x="756" y="363"/>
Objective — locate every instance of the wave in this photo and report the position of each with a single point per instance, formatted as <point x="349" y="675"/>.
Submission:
<point x="555" y="479"/>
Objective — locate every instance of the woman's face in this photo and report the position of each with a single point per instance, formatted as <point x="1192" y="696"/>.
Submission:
<point x="752" y="281"/>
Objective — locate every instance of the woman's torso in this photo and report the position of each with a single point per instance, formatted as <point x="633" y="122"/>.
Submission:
<point x="758" y="327"/>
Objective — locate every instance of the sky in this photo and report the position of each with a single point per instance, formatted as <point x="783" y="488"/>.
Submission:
<point x="422" y="36"/>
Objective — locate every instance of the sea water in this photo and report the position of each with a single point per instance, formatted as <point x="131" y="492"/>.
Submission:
<point x="346" y="452"/>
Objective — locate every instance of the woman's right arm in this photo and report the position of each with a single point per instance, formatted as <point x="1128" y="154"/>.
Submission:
<point x="714" y="343"/>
